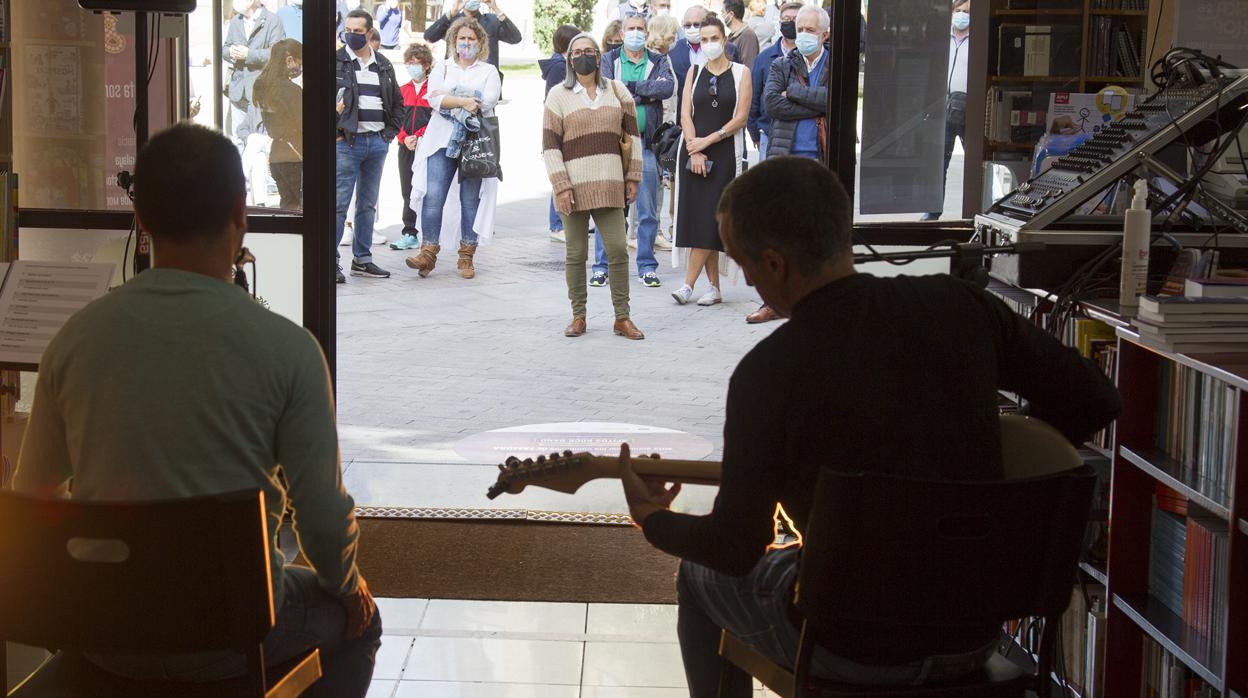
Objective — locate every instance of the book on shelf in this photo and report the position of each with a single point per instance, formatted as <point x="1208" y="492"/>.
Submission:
<point x="1162" y="307"/>
<point x="1164" y="676"/>
<point x="1196" y="415"/>
<point x="1216" y="287"/>
<point x="1012" y="116"/>
<point x="1094" y="652"/>
<point x="1204" y="578"/>
<point x="1168" y="538"/>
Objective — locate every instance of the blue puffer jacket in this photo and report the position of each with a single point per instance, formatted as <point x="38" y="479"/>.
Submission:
<point x="660" y="83"/>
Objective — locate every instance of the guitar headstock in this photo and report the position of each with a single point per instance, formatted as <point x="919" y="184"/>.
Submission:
<point x="562" y="472"/>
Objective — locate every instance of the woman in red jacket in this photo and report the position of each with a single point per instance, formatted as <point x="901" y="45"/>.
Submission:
<point x="417" y="59"/>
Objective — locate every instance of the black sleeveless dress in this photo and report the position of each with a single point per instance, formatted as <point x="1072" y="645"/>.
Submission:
<point x="695" y="213"/>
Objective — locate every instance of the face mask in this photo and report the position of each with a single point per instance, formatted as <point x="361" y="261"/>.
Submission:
<point x="584" y="65"/>
<point x="241" y="6"/>
<point x="467" y="51"/>
<point x="713" y="50"/>
<point x="392" y="3"/>
<point x="472" y="5"/>
<point x="356" y="42"/>
<point x="634" y="39"/>
<point x="612" y="45"/>
<point x="353" y="4"/>
<point x="961" y="20"/>
<point x="417" y="72"/>
<point x="663" y="12"/>
<point x="807" y="43"/>
<point x="788" y="30"/>
<point x="693" y="35"/>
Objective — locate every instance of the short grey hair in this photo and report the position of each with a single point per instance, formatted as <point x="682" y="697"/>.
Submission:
<point x="570" y="81"/>
<point x="633" y="14"/>
<point x="697" y="8"/>
<point x="825" y="21"/>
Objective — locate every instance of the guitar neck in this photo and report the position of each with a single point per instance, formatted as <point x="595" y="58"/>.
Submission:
<point x="694" y="472"/>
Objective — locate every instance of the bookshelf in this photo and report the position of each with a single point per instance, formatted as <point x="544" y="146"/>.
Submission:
<point x="1091" y="44"/>
<point x="1150" y="644"/>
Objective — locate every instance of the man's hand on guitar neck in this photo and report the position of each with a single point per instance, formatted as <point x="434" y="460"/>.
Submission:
<point x="645" y="496"/>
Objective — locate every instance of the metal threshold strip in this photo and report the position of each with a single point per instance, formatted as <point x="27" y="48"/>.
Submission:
<point x="464" y="514"/>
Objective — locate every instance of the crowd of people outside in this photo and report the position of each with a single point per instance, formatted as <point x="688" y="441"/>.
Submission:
<point x="693" y="95"/>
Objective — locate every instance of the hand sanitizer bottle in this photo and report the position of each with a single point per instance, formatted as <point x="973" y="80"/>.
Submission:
<point x="1137" y="228"/>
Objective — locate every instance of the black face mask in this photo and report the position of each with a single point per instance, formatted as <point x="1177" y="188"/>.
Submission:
<point x="585" y="65"/>
<point x="614" y="45"/>
<point x="788" y="30"/>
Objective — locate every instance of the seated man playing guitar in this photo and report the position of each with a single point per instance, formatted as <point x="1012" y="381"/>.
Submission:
<point x="892" y="375"/>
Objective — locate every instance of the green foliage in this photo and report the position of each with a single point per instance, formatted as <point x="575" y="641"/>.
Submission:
<point x="548" y="15"/>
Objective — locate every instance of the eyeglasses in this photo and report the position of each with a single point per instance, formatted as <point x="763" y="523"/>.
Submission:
<point x="692" y="25"/>
<point x="591" y="52"/>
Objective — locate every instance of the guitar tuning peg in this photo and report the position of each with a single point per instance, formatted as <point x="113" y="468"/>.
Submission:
<point x="554" y="456"/>
<point x="567" y="454"/>
<point x="541" y="460"/>
<point x="512" y="461"/>
<point x="504" y="467"/>
<point x="528" y="462"/>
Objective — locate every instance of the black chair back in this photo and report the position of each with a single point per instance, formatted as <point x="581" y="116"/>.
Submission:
<point x="888" y="550"/>
<point x="173" y="576"/>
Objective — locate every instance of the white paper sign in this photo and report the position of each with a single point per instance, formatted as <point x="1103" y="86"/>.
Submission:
<point x="37" y="298"/>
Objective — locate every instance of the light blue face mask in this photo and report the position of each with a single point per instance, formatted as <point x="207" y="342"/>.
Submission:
<point x="472" y="5"/>
<point x="807" y="43"/>
<point x="417" y="72"/>
<point x="961" y="20"/>
<point x="634" y="39"/>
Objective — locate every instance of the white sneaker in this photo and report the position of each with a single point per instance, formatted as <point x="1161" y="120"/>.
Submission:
<point x="683" y="294"/>
<point x="379" y="239"/>
<point x="558" y="236"/>
<point x="711" y="297"/>
<point x="661" y="244"/>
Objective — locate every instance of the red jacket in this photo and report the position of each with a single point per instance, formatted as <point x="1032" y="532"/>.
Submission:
<point x="416" y="112"/>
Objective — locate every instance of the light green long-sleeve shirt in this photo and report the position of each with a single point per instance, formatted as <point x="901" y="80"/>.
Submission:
<point x="178" y="385"/>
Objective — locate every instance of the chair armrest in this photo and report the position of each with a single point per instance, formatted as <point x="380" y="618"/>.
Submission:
<point x="770" y="674"/>
<point x="291" y="679"/>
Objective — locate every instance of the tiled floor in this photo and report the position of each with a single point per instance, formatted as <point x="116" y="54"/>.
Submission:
<point x="489" y="649"/>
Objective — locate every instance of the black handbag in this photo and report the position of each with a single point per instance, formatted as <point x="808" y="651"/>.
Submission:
<point x="955" y="109"/>
<point x="665" y="144"/>
<point x="480" y="152"/>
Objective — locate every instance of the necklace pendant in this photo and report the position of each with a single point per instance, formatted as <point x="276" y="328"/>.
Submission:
<point x="715" y="104"/>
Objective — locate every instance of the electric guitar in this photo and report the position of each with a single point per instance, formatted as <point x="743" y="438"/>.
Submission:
<point x="567" y="471"/>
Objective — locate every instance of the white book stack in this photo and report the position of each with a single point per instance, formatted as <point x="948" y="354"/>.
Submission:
<point x="1203" y="325"/>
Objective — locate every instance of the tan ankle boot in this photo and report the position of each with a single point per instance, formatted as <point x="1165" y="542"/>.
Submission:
<point x="425" y="259"/>
<point x="464" y="265"/>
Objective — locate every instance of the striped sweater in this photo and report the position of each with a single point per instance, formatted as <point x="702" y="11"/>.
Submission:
<point x="581" y="146"/>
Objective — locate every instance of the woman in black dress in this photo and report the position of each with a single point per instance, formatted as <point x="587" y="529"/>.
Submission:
<point x="714" y="109"/>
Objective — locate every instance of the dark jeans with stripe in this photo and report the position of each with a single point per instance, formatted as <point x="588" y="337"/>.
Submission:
<point x="754" y="608"/>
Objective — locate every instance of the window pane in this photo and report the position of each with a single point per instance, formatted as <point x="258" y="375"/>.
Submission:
<point x="277" y="278"/>
<point x="73" y="108"/>
<point x="259" y="61"/>
<point x="902" y="125"/>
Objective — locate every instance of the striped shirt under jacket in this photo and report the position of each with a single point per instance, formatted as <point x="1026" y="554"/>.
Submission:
<point x="581" y="145"/>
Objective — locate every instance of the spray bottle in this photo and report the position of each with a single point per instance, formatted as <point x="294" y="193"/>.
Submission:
<point x="1137" y="229"/>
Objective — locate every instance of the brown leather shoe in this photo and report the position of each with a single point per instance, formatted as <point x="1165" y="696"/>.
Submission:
<point x="626" y="329"/>
<point x="763" y="314"/>
<point x="576" y="329"/>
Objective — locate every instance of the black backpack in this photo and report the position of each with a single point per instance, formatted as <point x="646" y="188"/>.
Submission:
<point x="665" y="144"/>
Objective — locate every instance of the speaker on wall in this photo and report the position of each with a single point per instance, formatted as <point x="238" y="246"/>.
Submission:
<point x="180" y="7"/>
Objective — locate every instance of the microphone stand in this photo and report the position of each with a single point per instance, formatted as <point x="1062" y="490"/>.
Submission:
<point x="966" y="259"/>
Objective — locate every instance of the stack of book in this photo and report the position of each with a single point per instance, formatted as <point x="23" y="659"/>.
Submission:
<point x="1196" y="424"/>
<point x="1165" y="559"/>
<point x="1083" y="641"/>
<point x="1204" y="576"/>
<point x="1193" y="325"/>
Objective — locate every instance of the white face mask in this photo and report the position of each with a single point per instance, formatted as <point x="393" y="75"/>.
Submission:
<point x="713" y="50"/>
<point x="693" y="35"/>
<point x="242" y="6"/>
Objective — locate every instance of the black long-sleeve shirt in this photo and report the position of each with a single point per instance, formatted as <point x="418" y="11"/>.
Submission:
<point x="891" y="375"/>
<point x="505" y="31"/>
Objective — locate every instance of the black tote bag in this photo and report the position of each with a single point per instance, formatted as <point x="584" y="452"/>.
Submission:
<point x="479" y="156"/>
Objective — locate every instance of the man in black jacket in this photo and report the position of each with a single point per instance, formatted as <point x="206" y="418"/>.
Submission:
<point x="369" y="117"/>
<point x="796" y="95"/>
<point x="886" y="375"/>
<point x="497" y="25"/>
<point x="250" y="34"/>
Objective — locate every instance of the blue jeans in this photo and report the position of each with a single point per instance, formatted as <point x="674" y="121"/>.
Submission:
<point x="556" y="223"/>
<point x="359" y="171"/>
<point x="809" y="154"/>
<point x="762" y="145"/>
<point x="309" y="617"/>
<point x="754" y="608"/>
<point x="648" y="224"/>
<point x="441" y="171"/>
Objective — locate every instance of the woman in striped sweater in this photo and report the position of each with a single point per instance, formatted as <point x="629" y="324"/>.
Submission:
<point x="586" y="120"/>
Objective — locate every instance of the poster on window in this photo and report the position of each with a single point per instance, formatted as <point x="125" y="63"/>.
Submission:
<point x="1217" y="27"/>
<point x="120" y="93"/>
<point x="53" y="89"/>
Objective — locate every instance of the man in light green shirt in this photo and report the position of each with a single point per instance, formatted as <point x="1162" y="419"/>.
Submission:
<point x="178" y="384"/>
